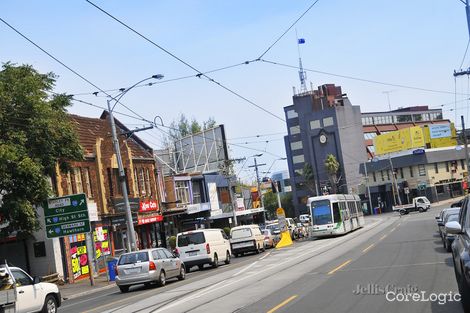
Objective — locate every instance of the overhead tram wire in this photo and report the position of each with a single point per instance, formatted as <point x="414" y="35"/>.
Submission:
<point x="360" y="79"/>
<point x="199" y="73"/>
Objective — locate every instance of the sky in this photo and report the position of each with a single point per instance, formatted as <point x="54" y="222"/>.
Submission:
<point x="411" y="43"/>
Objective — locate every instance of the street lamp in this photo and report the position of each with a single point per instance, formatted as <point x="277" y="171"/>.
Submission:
<point x="131" y="242"/>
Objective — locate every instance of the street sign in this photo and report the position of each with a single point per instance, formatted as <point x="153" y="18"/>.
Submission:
<point x="422" y="186"/>
<point x="281" y="217"/>
<point x="66" y="216"/>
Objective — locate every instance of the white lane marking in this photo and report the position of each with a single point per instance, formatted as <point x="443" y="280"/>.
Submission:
<point x="245" y="269"/>
<point x="265" y="256"/>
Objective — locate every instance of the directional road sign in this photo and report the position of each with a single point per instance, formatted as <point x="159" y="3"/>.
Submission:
<point x="66" y="216"/>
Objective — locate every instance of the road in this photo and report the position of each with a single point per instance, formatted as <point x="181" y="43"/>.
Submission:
<point x="342" y="274"/>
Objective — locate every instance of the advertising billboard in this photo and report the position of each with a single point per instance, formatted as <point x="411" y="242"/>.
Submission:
<point x="399" y="140"/>
<point x="440" y="135"/>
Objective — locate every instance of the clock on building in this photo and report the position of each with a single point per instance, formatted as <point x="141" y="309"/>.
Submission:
<point x="323" y="138"/>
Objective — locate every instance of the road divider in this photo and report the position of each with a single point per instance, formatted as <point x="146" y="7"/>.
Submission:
<point x="283" y="303"/>
<point x="339" y="267"/>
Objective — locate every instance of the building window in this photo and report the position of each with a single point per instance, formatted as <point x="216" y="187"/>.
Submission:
<point x="298" y="172"/>
<point x="136" y="183"/>
<point x="69" y="183"/>
<point x="439" y="189"/>
<point x="447" y="167"/>
<point x="462" y="164"/>
<point x="110" y="182"/>
<point x="87" y="183"/>
<point x="421" y="170"/>
<point x="404" y="118"/>
<point x="315" y="124"/>
<point x="296" y="145"/>
<point x="411" y="171"/>
<point x="143" y="192"/>
<point x="401" y="173"/>
<point x="294" y="130"/>
<point x="374" y="177"/>
<point x="292" y="114"/>
<point x="369" y="135"/>
<point x="388" y="174"/>
<point x="436" y="167"/>
<point x="298" y="159"/>
<point x="182" y="191"/>
<point x="77" y="179"/>
<point x="382" y="175"/>
<point x="196" y="192"/>
<point x="371" y="149"/>
<point x="328" y="121"/>
<point x="147" y="182"/>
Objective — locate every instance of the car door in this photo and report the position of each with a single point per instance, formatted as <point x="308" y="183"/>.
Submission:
<point x="226" y="244"/>
<point x="163" y="259"/>
<point x="461" y="244"/>
<point x="30" y="297"/>
<point x="172" y="263"/>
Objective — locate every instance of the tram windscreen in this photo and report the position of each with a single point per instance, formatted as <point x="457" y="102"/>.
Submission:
<point x="321" y="212"/>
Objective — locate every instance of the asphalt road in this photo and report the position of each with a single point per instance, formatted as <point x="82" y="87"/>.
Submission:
<point x="342" y="274"/>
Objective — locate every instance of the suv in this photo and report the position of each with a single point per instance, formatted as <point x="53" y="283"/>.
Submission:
<point x="460" y="252"/>
<point x="246" y="238"/>
<point x="31" y="294"/>
<point x="205" y="246"/>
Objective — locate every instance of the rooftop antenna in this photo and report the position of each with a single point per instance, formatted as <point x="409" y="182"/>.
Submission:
<point x="302" y="73"/>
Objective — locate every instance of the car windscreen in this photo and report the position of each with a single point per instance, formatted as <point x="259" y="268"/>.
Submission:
<point x="321" y="212"/>
<point x="241" y="233"/>
<point x="192" y="238"/>
<point x="132" y="258"/>
<point x="453" y="218"/>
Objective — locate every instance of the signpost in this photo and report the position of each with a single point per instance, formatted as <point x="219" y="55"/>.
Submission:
<point x="286" y="240"/>
<point x="66" y="216"/>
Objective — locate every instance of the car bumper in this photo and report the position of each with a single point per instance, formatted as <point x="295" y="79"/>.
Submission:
<point x="243" y="249"/>
<point x="191" y="263"/>
<point x="134" y="280"/>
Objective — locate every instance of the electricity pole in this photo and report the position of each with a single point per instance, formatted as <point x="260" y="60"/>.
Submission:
<point x="465" y="147"/>
<point x="368" y="188"/>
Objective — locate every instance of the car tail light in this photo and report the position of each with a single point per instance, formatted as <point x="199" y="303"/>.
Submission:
<point x="208" y="248"/>
<point x="152" y="266"/>
<point x="116" y="270"/>
<point x="176" y="251"/>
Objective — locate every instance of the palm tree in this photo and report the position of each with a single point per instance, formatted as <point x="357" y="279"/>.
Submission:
<point x="332" y="168"/>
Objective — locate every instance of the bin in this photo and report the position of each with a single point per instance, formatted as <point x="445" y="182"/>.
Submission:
<point x="111" y="269"/>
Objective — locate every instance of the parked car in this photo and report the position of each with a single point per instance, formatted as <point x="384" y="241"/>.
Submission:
<point x="447" y="239"/>
<point x="301" y="230"/>
<point x="274" y="228"/>
<point x="304" y="218"/>
<point x="204" y="246"/>
<point x="246" y="238"/>
<point x="442" y="217"/>
<point x="270" y="239"/>
<point x="292" y="227"/>
<point x="421" y="204"/>
<point x="148" y="267"/>
<point x="20" y="291"/>
<point x="457" y="204"/>
<point x="461" y="253"/>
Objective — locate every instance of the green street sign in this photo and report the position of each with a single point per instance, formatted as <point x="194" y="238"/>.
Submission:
<point x="66" y="216"/>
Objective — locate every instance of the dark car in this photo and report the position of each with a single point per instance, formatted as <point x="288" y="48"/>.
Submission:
<point x="457" y="204"/>
<point x="448" y="239"/>
<point x="460" y="252"/>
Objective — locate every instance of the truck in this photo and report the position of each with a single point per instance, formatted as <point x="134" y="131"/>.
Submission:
<point x="420" y="204"/>
<point x="21" y="293"/>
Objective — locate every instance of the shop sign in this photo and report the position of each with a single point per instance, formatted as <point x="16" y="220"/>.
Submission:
<point x="121" y="220"/>
<point x="198" y="207"/>
<point x="149" y="205"/>
<point x="149" y="219"/>
<point x="439" y="131"/>
<point x="119" y="206"/>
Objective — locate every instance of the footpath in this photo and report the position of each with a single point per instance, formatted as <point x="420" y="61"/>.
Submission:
<point x="83" y="287"/>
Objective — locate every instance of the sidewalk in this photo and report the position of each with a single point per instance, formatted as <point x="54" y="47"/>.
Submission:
<point x="448" y="201"/>
<point x="83" y="287"/>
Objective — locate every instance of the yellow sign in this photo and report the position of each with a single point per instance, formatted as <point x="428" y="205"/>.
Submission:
<point x="280" y="212"/>
<point x="285" y="241"/>
<point x="440" y="135"/>
<point x="399" y="140"/>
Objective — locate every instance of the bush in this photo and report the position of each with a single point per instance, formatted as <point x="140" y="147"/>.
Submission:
<point x="172" y="242"/>
<point x="227" y="231"/>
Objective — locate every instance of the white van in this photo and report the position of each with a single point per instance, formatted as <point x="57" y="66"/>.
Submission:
<point x="246" y="238"/>
<point x="204" y="246"/>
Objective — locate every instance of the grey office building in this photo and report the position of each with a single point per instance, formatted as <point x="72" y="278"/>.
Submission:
<point x="322" y="122"/>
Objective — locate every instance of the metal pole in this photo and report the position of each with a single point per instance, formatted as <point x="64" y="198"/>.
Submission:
<point x="234" y="202"/>
<point x="122" y="179"/>
<point x="258" y="184"/>
<point x="465" y="147"/>
<point x="89" y="248"/>
<point x="368" y="188"/>
<point x="278" y="195"/>
<point x="395" y="184"/>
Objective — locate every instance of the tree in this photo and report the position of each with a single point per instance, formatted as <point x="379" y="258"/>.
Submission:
<point x="309" y="177"/>
<point x="195" y="127"/>
<point x="270" y="204"/>
<point x="332" y="168"/>
<point x="210" y="123"/>
<point x="183" y="128"/>
<point x="35" y="135"/>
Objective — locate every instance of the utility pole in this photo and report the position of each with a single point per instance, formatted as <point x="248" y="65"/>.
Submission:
<point x="227" y="174"/>
<point x="368" y="188"/>
<point x="258" y="182"/>
<point x="394" y="183"/>
<point x="465" y="147"/>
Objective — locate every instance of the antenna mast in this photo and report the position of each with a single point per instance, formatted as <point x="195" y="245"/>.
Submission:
<point x="302" y="73"/>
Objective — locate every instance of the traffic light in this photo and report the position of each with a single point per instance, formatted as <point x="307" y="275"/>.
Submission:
<point x="273" y="186"/>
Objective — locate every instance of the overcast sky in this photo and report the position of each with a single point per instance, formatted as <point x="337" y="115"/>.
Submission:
<point x="414" y="43"/>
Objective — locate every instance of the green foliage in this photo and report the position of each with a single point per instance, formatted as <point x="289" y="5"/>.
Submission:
<point x="172" y="242"/>
<point x="332" y="168"/>
<point x="227" y="231"/>
<point x="309" y="177"/>
<point x="183" y="127"/>
<point x="35" y="135"/>
<point x="195" y="127"/>
<point x="271" y="204"/>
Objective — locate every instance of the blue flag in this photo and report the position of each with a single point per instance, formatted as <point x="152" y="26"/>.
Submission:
<point x="300" y="41"/>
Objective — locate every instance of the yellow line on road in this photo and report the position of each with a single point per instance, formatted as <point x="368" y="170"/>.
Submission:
<point x="283" y="303"/>
<point x="368" y="248"/>
<point x="339" y="267"/>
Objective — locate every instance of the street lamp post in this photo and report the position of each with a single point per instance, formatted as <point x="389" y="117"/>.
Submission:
<point x="131" y="242"/>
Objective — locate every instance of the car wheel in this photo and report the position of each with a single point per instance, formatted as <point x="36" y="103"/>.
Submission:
<point x="402" y="212"/>
<point x="227" y="258"/>
<point x="124" y="288"/>
<point x="50" y="305"/>
<point x="257" y="249"/>
<point x="182" y="275"/>
<point x="448" y="246"/>
<point x="201" y="267"/>
<point x="421" y="210"/>
<point x="236" y="255"/>
<point x="215" y="263"/>
<point x="465" y="294"/>
<point x="161" y="279"/>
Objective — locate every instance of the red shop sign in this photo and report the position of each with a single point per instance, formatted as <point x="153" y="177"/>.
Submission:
<point x="149" y="205"/>
<point x="149" y="219"/>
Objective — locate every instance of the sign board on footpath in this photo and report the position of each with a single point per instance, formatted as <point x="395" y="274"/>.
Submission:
<point x="286" y="240"/>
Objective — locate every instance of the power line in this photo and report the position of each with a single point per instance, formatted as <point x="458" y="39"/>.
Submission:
<point x="200" y="73"/>
<point x="361" y="79"/>
<point x="287" y="30"/>
<point x="465" y="54"/>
